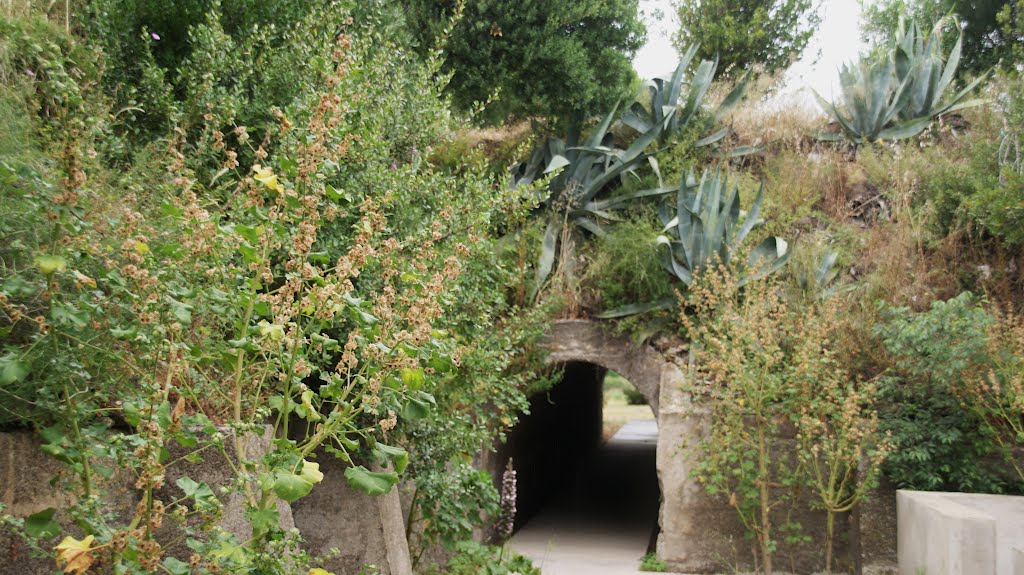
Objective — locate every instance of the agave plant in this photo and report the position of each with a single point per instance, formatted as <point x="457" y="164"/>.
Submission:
<point x="707" y="229"/>
<point x="872" y="100"/>
<point x="895" y="95"/>
<point x="665" y="109"/>
<point x="816" y="278"/>
<point x="582" y="172"/>
<point x="919" y="62"/>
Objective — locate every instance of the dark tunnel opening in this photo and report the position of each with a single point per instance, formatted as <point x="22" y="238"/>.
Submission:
<point x="568" y="475"/>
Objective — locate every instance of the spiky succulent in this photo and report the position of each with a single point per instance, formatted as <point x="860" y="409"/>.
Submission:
<point x="583" y="172"/>
<point x="897" y="93"/>
<point x="708" y="229"/>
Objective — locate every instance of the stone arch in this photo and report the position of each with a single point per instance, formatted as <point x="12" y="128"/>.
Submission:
<point x="588" y="342"/>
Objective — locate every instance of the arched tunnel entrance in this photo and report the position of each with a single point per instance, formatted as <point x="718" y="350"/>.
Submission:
<point x="587" y="494"/>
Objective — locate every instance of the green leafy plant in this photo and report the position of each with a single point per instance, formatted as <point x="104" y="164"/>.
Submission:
<point x="707" y="230"/>
<point x="872" y="100"/>
<point x="996" y="394"/>
<point x="142" y="304"/>
<point x="920" y="63"/>
<point x="474" y="558"/>
<point x="662" y="104"/>
<point x="582" y="172"/>
<point x="651" y="563"/>
<point x="839" y="445"/>
<point x="815" y="279"/>
<point x="939" y="443"/>
<point x="741" y="373"/>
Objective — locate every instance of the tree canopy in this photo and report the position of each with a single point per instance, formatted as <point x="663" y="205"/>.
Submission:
<point x="988" y="25"/>
<point x="743" y="33"/>
<point x="552" y="58"/>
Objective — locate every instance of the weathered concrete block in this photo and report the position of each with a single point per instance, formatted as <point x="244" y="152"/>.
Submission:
<point x="940" y="536"/>
<point x="365" y="530"/>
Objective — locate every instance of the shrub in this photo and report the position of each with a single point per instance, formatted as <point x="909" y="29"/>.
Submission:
<point x="760" y="364"/>
<point x="940" y="444"/>
<point x="298" y="278"/>
<point x="626" y="269"/>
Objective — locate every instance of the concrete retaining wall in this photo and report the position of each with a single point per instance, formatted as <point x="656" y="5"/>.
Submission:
<point x="960" y="534"/>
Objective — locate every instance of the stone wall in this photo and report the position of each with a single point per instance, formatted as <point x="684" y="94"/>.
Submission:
<point x="365" y="530"/>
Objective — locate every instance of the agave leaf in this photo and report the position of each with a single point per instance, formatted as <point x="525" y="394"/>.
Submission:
<point x="547" y="252"/>
<point x="591" y="226"/>
<point x="766" y="259"/>
<point x="675" y="85"/>
<point x="734" y="97"/>
<point x="712" y="138"/>
<point x="612" y="203"/>
<point x="597" y="136"/>
<point x="638" y="308"/>
<point x="826" y="271"/>
<point x="638" y="117"/>
<point x="753" y="218"/>
<point x="558" y="162"/>
<point x="629" y="158"/>
<point x="956" y="104"/>
<point x="740" y="151"/>
<point x="699" y="86"/>
<point x="952" y="63"/>
<point x="905" y="130"/>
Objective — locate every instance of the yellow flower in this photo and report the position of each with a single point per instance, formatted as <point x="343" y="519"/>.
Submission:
<point x="267" y="177"/>
<point x="319" y="571"/>
<point x="76" y="554"/>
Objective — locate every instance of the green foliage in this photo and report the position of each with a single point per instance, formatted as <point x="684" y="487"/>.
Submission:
<point x="742" y="373"/>
<point x="662" y="105"/>
<point x="473" y="558"/>
<point x="583" y="172"/>
<point x="743" y="34"/>
<point x="940" y="445"/>
<point x="921" y="65"/>
<point x="989" y="34"/>
<point x="651" y="563"/>
<point x="554" y="59"/>
<point x="624" y="268"/>
<point x="814" y="278"/>
<point x="871" y="105"/>
<point x="759" y="362"/>
<point x="174" y="64"/>
<point x="294" y="273"/>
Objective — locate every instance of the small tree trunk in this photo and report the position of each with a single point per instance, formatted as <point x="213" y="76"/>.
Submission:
<point x="829" y="530"/>
<point x="766" y="522"/>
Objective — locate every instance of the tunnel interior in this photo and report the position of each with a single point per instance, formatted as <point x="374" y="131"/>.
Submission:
<point x="565" y="468"/>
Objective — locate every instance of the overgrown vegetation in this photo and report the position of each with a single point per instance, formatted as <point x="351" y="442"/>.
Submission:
<point x="263" y="234"/>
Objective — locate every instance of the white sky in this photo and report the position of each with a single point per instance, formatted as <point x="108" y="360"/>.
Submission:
<point x="836" y="41"/>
